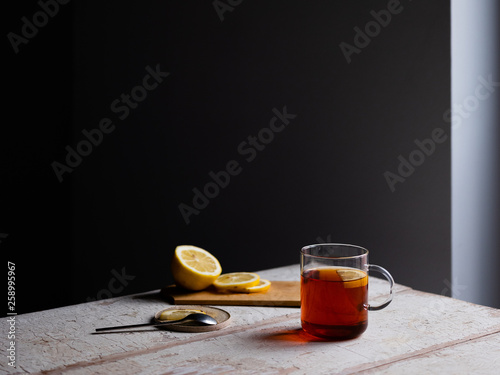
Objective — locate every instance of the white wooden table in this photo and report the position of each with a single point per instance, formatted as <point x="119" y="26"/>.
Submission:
<point x="419" y="333"/>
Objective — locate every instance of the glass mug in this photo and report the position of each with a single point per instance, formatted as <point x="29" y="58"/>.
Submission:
<point x="334" y="290"/>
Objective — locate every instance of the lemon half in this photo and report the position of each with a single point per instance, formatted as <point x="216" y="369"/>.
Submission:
<point x="194" y="268"/>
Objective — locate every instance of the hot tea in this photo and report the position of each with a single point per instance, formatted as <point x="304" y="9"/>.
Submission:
<point x="334" y="301"/>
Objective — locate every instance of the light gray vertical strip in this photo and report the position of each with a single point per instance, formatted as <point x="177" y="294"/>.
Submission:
<point x="475" y="42"/>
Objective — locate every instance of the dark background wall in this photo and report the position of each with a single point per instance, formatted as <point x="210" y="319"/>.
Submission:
<point x="319" y="179"/>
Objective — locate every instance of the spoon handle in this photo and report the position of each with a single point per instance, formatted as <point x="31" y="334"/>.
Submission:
<point x="136" y="325"/>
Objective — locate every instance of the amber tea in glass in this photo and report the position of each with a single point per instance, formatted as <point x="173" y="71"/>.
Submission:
<point x="334" y="290"/>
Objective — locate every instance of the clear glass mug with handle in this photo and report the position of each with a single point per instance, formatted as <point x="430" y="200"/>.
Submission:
<point x="334" y="290"/>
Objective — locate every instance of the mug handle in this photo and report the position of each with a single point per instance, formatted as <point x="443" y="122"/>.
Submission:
<point x="387" y="275"/>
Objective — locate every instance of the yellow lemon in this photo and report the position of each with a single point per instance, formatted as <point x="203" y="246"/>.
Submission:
<point x="178" y="314"/>
<point x="352" y="278"/>
<point x="194" y="268"/>
<point x="236" y="280"/>
<point x="262" y="286"/>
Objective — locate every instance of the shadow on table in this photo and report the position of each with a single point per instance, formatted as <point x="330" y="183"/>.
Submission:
<point x="297" y="336"/>
<point x="150" y="296"/>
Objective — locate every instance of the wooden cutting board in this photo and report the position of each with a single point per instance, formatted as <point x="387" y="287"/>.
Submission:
<point x="281" y="293"/>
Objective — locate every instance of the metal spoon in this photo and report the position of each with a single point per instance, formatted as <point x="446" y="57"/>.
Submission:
<point x="201" y="319"/>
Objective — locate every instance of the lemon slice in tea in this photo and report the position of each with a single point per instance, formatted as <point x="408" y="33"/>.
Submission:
<point x="352" y="278"/>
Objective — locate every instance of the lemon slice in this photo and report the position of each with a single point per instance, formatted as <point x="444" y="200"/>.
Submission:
<point x="236" y="280"/>
<point x="194" y="268"/>
<point x="262" y="286"/>
<point x="352" y="278"/>
<point x="178" y="314"/>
